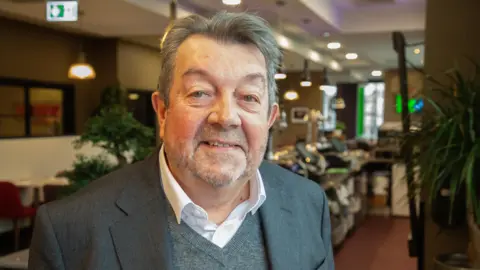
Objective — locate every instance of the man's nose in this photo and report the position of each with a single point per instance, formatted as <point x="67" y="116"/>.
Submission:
<point x="225" y="113"/>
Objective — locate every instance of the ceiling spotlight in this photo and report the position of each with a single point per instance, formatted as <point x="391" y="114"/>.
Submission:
<point x="335" y="65"/>
<point x="377" y="73"/>
<point x="283" y="42"/>
<point x="315" y="56"/>
<point x="351" y="56"/>
<point x="334" y="45"/>
<point x="416" y="51"/>
<point x="232" y="2"/>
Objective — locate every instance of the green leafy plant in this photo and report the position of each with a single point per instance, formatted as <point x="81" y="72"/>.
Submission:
<point x="118" y="133"/>
<point x="85" y="169"/>
<point x="447" y="146"/>
<point x="341" y="126"/>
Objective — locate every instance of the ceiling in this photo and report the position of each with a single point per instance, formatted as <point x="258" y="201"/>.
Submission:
<point x="361" y="26"/>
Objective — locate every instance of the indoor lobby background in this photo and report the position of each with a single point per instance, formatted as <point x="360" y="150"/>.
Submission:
<point x="343" y="48"/>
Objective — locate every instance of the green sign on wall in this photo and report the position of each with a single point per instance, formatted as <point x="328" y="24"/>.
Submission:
<point x="62" y="11"/>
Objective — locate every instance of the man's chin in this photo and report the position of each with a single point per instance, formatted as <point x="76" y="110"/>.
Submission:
<point x="219" y="178"/>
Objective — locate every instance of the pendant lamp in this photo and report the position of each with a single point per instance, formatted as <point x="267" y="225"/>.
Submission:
<point x="81" y="70"/>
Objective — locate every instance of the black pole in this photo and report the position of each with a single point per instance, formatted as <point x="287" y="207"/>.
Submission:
<point x="399" y="47"/>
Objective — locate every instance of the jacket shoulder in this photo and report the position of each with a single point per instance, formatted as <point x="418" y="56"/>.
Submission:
<point x="97" y="198"/>
<point x="292" y="181"/>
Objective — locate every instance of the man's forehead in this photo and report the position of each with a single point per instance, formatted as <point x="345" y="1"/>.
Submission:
<point x="200" y="47"/>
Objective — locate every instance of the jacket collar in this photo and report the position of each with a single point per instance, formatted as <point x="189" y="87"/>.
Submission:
<point x="141" y="237"/>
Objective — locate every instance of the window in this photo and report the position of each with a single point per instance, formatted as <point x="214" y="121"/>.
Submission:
<point x="372" y="107"/>
<point x="35" y="109"/>
<point x="46" y="112"/>
<point x="12" y="111"/>
<point x="329" y="94"/>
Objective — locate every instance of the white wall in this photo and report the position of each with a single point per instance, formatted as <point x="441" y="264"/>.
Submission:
<point x="39" y="157"/>
<point x="138" y="66"/>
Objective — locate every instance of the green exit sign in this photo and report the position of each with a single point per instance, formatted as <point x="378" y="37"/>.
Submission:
<point x="62" y="11"/>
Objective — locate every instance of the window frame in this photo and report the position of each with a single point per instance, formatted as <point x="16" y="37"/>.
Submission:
<point x="68" y="104"/>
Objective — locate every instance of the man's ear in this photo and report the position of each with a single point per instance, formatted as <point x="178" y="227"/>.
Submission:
<point x="161" y="111"/>
<point x="273" y="115"/>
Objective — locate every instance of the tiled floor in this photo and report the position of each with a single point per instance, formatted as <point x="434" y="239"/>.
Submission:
<point x="380" y="243"/>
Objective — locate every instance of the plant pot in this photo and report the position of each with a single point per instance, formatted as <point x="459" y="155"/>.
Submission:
<point x="446" y="215"/>
<point x="474" y="246"/>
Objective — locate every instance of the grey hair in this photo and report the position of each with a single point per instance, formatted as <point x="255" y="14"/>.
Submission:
<point x="242" y="28"/>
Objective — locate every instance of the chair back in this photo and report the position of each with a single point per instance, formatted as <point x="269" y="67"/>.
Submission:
<point x="10" y="202"/>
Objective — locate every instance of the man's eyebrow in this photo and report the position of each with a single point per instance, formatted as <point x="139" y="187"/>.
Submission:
<point x="196" y="71"/>
<point x="247" y="78"/>
<point x="255" y="76"/>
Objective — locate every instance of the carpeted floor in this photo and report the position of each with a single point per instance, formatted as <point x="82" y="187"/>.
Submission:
<point x="379" y="244"/>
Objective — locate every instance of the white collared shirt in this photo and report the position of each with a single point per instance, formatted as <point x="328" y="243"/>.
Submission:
<point x="197" y="218"/>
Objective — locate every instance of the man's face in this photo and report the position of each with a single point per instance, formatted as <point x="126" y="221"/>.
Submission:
<point x="216" y="125"/>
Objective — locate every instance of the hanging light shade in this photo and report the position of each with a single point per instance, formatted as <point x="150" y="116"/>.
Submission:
<point x="339" y="103"/>
<point x="281" y="74"/>
<point x="290" y="95"/>
<point x="306" y="82"/>
<point x="81" y="70"/>
<point x="281" y="71"/>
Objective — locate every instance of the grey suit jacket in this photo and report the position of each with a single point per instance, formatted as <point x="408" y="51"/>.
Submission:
<point x="119" y="222"/>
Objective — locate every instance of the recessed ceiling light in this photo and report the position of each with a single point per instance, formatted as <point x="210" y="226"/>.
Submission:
<point x="335" y="65"/>
<point x="416" y="51"/>
<point x="232" y="2"/>
<point x="326" y="34"/>
<point x="351" y="56"/>
<point x="334" y="45"/>
<point x="315" y="56"/>
<point x="377" y="73"/>
<point x="283" y="42"/>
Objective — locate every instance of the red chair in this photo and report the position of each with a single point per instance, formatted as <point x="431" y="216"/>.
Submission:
<point x="11" y="208"/>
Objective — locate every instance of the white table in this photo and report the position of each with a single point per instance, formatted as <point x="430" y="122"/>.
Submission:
<point x="16" y="260"/>
<point x="30" y="186"/>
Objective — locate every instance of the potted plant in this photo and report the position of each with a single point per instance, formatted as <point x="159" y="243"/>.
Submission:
<point x="446" y="151"/>
<point x="118" y="133"/>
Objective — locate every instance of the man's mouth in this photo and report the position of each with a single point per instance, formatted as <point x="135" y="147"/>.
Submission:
<point x="219" y="144"/>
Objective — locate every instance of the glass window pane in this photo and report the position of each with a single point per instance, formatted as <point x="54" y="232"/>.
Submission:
<point x="12" y="111"/>
<point x="47" y="112"/>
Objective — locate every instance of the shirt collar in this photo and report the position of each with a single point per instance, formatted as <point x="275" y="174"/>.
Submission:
<point x="179" y="199"/>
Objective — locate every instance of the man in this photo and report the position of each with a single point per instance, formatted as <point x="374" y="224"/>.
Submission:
<point x="205" y="200"/>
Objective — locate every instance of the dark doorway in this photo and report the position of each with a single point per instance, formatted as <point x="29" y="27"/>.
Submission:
<point x="140" y="105"/>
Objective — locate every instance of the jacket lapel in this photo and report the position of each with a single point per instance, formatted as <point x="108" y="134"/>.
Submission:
<point x="278" y="220"/>
<point x="141" y="236"/>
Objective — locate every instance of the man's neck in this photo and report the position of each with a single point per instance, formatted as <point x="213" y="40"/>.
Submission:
<point x="218" y="202"/>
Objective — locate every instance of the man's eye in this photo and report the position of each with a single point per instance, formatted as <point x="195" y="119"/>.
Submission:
<point x="250" y="98"/>
<point x="198" y="94"/>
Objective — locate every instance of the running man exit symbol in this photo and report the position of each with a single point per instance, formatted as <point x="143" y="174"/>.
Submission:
<point x="62" y="11"/>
